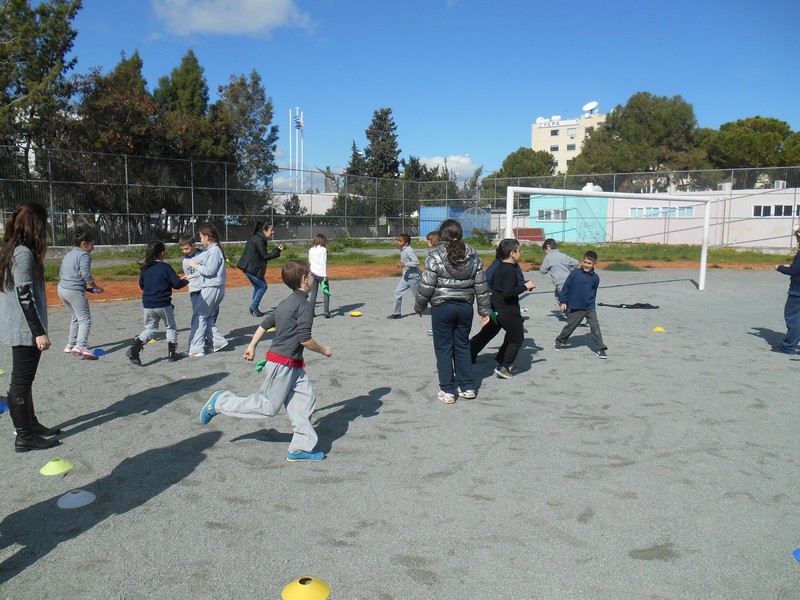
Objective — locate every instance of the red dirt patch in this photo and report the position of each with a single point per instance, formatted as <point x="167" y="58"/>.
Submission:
<point x="126" y="290"/>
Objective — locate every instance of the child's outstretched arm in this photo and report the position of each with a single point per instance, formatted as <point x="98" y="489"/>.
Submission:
<point x="250" y="352"/>
<point x="312" y="345"/>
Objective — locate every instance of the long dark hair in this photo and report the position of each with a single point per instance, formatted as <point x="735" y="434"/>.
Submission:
<point x="27" y="226"/>
<point x="152" y="254"/>
<point x="451" y="233"/>
<point x="320" y="240"/>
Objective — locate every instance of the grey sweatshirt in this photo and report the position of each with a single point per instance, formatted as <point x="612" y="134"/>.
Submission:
<point x="76" y="270"/>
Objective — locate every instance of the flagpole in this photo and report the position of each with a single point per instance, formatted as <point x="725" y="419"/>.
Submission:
<point x="291" y="132"/>
<point x="302" y="154"/>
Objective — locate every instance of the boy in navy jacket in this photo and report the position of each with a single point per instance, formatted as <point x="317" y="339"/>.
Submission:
<point x="578" y="295"/>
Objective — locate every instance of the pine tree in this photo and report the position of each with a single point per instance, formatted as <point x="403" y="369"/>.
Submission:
<point x="382" y="153"/>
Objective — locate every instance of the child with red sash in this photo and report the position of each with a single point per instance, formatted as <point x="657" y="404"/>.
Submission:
<point x="286" y="382"/>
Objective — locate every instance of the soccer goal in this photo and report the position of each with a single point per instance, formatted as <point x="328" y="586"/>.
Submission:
<point x="591" y="215"/>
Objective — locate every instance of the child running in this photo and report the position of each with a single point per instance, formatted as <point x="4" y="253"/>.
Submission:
<point x="76" y="280"/>
<point x="209" y="267"/>
<point x="411" y="273"/>
<point x="558" y="264"/>
<point x="286" y="382"/>
<point x="578" y="296"/>
<point x="157" y="280"/>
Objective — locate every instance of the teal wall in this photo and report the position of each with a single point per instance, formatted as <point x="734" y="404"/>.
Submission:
<point x="587" y="218"/>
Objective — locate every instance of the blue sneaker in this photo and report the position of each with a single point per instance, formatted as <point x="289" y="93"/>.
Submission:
<point x="303" y="455"/>
<point x="208" y="411"/>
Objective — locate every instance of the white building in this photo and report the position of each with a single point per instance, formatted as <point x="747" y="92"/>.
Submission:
<point x="563" y="138"/>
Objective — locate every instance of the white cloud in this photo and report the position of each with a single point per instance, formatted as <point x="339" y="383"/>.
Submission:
<point x="228" y="17"/>
<point x="456" y="163"/>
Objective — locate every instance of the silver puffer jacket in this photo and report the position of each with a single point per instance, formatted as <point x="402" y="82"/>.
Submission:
<point x="445" y="282"/>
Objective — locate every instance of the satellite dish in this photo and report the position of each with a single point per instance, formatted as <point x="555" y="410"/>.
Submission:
<point x="555" y="118"/>
<point x="590" y="106"/>
<point x="539" y="120"/>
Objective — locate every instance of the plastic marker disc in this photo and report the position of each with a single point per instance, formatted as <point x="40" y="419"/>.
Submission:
<point x="153" y="341"/>
<point x="99" y="352"/>
<point x="306" y="588"/>
<point x="3" y="407"/>
<point x="75" y="499"/>
<point x="270" y="329"/>
<point x="355" y="313"/>
<point x="796" y="553"/>
<point x="660" y="329"/>
<point x="57" y="466"/>
<point x="2" y="372"/>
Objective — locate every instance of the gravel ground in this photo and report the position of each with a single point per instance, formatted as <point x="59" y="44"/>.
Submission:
<point x="667" y="471"/>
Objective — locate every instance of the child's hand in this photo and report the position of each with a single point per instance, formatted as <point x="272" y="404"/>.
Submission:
<point x="563" y="308"/>
<point x="529" y="285"/>
<point x="249" y="354"/>
<point x="400" y="264"/>
<point x="327" y="351"/>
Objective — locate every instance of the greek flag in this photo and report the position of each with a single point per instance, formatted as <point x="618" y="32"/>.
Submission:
<point x="298" y="122"/>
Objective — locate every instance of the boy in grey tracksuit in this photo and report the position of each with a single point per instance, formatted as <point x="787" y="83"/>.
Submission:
<point x="558" y="264"/>
<point x="411" y="273"/>
<point x="286" y="382"/>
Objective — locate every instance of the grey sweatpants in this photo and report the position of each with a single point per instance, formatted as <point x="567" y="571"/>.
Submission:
<point x="412" y="283"/>
<point x="80" y="318"/>
<point x="152" y="318"/>
<point x="282" y="386"/>
<point x="205" y="307"/>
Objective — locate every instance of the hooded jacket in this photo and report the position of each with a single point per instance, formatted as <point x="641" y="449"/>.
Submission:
<point x="442" y="281"/>
<point x="255" y="256"/>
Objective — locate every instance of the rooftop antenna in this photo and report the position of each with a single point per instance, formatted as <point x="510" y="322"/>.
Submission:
<point x="590" y="107"/>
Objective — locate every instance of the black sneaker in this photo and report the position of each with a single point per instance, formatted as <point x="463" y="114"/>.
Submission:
<point x="602" y="354"/>
<point x="559" y="345"/>
<point x="394" y="316"/>
<point x="502" y="373"/>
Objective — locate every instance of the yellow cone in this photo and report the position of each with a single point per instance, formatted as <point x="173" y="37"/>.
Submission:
<point x="57" y="466"/>
<point x="306" y="588"/>
<point x="659" y="329"/>
<point x="355" y="313"/>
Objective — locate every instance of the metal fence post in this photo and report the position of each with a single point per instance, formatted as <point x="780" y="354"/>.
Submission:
<point x="127" y="204"/>
<point x="50" y="192"/>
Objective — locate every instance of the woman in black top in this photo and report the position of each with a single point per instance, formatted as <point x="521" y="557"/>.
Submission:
<point x="254" y="263"/>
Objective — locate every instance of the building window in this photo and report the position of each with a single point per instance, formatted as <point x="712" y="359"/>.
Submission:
<point x="569" y="161"/>
<point x="762" y="211"/>
<point x="572" y="132"/>
<point x="570" y="147"/>
<point x="554" y="132"/>
<point x="655" y="212"/>
<point x="782" y="211"/>
<point x="555" y="164"/>
<point x="589" y="131"/>
<point x="551" y="215"/>
<point x="553" y="148"/>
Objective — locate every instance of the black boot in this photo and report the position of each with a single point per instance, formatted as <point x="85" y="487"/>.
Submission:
<point x="27" y="438"/>
<point x="38" y="428"/>
<point x="134" y="351"/>
<point x="172" y="351"/>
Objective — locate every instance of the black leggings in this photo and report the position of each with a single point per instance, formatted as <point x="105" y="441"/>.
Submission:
<point x="24" y="363"/>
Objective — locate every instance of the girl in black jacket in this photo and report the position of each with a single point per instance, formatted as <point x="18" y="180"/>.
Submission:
<point x="254" y="263"/>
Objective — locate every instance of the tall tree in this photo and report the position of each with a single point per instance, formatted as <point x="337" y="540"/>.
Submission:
<point x="526" y="162"/>
<point x="248" y="112"/>
<point x="186" y="126"/>
<point x="751" y="142"/>
<point x="186" y="90"/>
<point x="382" y="153"/>
<point x="34" y="43"/>
<point x="649" y="133"/>
<point x="115" y="111"/>
<point x="357" y="165"/>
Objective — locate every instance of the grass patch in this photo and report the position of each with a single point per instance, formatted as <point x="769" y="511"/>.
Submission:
<point x="621" y="266"/>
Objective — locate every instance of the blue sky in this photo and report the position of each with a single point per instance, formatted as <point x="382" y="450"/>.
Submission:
<point x="462" y="77"/>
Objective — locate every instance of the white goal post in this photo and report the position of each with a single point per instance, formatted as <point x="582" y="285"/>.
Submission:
<point x="704" y="200"/>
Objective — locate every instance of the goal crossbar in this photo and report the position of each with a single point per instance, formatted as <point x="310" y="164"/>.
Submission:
<point x="704" y="200"/>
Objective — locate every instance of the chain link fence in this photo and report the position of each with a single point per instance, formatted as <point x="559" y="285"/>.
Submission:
<point x="131" y="200"/>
